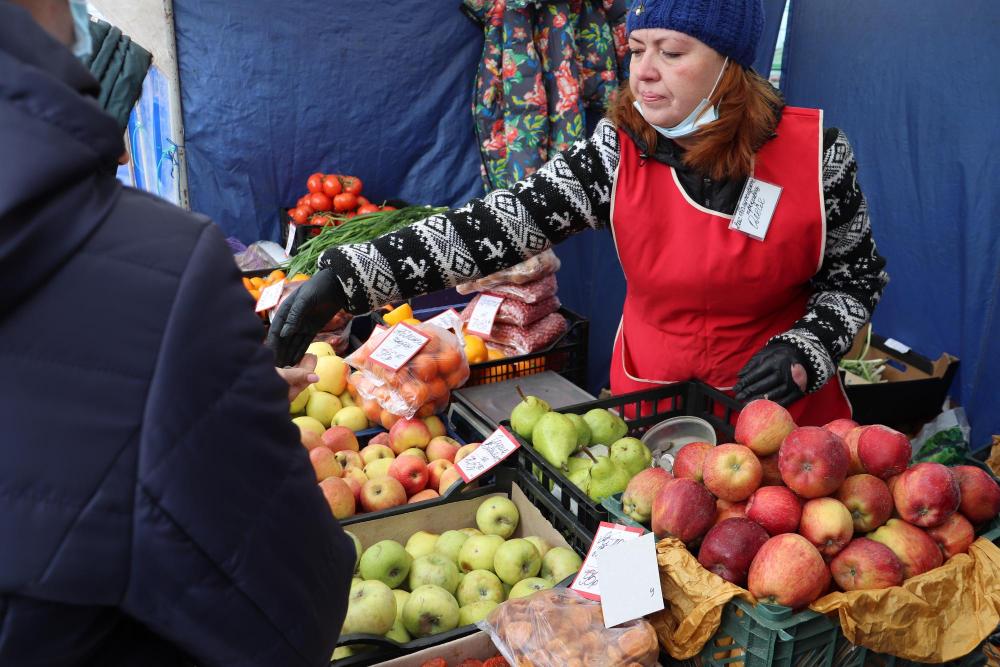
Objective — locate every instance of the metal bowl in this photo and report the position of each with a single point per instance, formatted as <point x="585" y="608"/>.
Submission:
<point x="667" y="437"/>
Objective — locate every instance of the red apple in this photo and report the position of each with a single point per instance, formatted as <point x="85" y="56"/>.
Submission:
<point x="789" y="571"/>
<point x="913" y="547"/>
<point x="435" y="426"/>
<point x="827" y="524"/>
<point x="339" y="438"/>
<point x="338" y="496"/>
<point x="762" y="426"/>
<point x="356" y="487"/>
<point x="866" y="564"/>
<point x="732" y="472"/>
<point x="358" y="475"/>
<point x="883" y="452"/>
<point x="325" y="464"/>
<point x="926" y="494"/>
<point x="729" y="548"/>
<point x="348" y="458"/>
<point x="854" y="467"/>
<point x="448" y="478"/>
<point x="406" y="433"/>
<point x="688" y="462"/>
<point x="442" y="447"/>
<point x="953" y="536"/>
<point x="426" y="494"/>
<point x="772" y="475"/>
<point x="980" y="494"/>
<point x="434" y="471"/>
<point x="310" y="439"/>
<point x="411" y="472"/>
<point x="638" y="497"/>
<point x="465" y="450"/>
<point x="683" y="509"/>
<point x="868" y="500"/>
<point x="382" y="493"/>
<point x="812" y="461"/>
<point x="380" y="439"/>
<point x="841" y="427"/>
<point x="727" y="510"/>
<point x="775" y="508"/>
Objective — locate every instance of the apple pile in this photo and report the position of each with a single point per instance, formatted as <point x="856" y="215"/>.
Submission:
<point x="421" y="387"/>
<point x="785" y="508"/>
<point x="496" y="661"/>
<point x="327" y="402"/>
<point x="436" y="583"/>
<point x="412" y="462"/>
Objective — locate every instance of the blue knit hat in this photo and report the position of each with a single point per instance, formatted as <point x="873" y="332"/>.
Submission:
<point x="731" y="27"/>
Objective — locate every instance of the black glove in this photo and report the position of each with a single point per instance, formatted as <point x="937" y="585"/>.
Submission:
<point x="302" y="316"/>
<point x="768" y="374"/>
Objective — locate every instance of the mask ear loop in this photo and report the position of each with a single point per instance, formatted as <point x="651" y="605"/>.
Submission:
<point x="715" y="85"/>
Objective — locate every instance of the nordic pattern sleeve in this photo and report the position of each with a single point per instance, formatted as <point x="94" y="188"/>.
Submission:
<point x="570" y="193"/>
<point x="851" y="278"/>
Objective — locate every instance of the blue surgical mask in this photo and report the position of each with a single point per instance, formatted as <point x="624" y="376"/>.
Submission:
<point x="703" y="114"/>
<point x="81" y="27"/>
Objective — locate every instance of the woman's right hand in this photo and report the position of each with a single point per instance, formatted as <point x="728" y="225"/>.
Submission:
<point x="302" y="315"/>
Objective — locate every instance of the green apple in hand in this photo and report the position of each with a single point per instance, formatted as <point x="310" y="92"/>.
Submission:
<point x="515" y="560"/>
<point x="478" y="551"/>
<point x="480" y="585"/>
<point x="498" y="516"/>
<point x="371" y="608"/>
<point x="430" y="611"/>
<point x="434" y="569"/>
<point x="386" y="561"/>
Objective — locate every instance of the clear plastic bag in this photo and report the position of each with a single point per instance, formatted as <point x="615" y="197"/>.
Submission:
<point x="261" y="255"/>
<point x="558" y="627"/>
<point x="421" y="387"/>
<point x="533" y="292"/>
<point x="516" y="312"/>
<point x="530" y="270"/>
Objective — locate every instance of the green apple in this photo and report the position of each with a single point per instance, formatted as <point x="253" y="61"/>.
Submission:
<point x="309" y="424"/>
<point x="351" y="417"/>
<point x="631" y="454"/>
<point x="475" y="612"/>
<point x="388" y="562"/>
<point x="526" y="587"/>
<point x="398" y="632"/>
<point x="559" y="563"/>
<point x="371" y="608"/>
<point x="450" y="543"/>
<point x="480" y="585"/>
<point x="378" y="468"/>
<point x="477" y="552"/>
<point x="320" y="349"/>
<point x="470" y="531"/>
<point x="506" y="591"/>
<point x="322" y="406"/>
<point x="401" y="598"/>
<point x="357" y="549"/>
<point x="355" y="581"/>
<point x="515" y="560"/>
<point x="421" y="543"/>
<point x="605" y="427"/>
<point x="540" y="544"/>
<point x="299" y="404"/>
<point x="429" y="611"/>
<point x="434" y="569"/>
<point x="347" y="400"/>
<point x="498" y="516"/>
<point x="342" y="652"/>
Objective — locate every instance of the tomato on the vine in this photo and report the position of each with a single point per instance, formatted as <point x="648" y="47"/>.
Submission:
<point x="352" y="184"/>
<point x="345" y="202"/>
<point x="308" y="209"/>
<point x="315" y="182"/>
<point x="298" y="215"/>
<point x="362" y="201"/>
<point x="332" y="186"/>
<point x="303" y="200"/>
<point x="320" y="202"/>
<point x="367" y="208"/>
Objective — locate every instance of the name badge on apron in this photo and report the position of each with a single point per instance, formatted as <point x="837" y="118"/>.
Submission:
<point x="755" y="208"/>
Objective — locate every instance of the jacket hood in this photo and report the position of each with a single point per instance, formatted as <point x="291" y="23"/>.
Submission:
<point x="59" y="151"/>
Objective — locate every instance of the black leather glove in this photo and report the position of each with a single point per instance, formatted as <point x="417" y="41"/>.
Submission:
<point x="302" y="316"/>
<point x="769" y="375"/>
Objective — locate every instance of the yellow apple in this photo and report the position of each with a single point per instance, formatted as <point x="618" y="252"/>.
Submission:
<point x="320" y="349"/>
<point x="332" y="372"/>
<point x="309" y="424"/>
<point x="322" y="407"/>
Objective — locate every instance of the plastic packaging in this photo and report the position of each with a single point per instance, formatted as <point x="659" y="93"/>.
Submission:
<point x="516" y="312"/>
<point x="530" y="270"/>
<point x="261" y="255"/>
<point x="422" y="385"/>
<point x="529" y="339"/>
<point x="558" y="627"/>
<point x="944" y="440"/>
<point x="533" y="292"/>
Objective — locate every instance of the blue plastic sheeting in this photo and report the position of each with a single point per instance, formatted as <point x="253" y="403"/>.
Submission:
<point x="916" y="90"/>
<point x="274" y="91"/>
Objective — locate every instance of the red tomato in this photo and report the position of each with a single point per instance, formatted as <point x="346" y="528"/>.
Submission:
<point x="352" y="184"/>
<point x="331" y="186"/>
<point x="367" y="208"/>
<point x="388" y="208"/>
<point x="315" y="183"/>
<point x="363" y="201"/>
<point x="351" y="215"/>
<point x="298" y="215"/>
<point x="320" y="202"/>
<point x="345" y="202"/>
<point x="303" y="201"/>
<point x="308" y="209"/>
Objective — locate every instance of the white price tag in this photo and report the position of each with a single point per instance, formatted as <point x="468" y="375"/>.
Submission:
<point x="896" y="346"/>
<point x="631" y="580"/>
<point x="492" y="451"/>
<point x="755" y="208"/>
<point x="481" y="320"/>
<point x="398" y="346"/>
<point x="607" y="535"/>
<point x="270" y="296"/>
<point x="449" y="319"/>
<point x="291" y="238"/>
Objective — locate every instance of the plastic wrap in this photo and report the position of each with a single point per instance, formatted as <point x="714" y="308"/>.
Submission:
<point x="516" y="312"/>
<point x="533" y="292"/>
<point x="558" y="627"/>
<point x="261" y="255"/>
<point x="530" y="270"/>
<point x="516" y="340"/>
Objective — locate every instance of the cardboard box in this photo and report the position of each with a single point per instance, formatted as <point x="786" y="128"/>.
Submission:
<point x="914" y="389"/>
<point x="478" y="646"/>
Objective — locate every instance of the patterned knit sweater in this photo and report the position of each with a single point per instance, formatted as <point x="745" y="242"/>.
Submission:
<point x="571" y="193"/>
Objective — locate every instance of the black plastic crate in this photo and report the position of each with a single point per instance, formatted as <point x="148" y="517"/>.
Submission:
<point x="576" y="536"/>
<point x="641" y="410"/>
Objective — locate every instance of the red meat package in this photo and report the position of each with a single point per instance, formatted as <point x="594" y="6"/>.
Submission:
<point x="516" y="312"/>
<point x="515" y="340"/>
<point x="533" y="292"/>
<point x="407" y="371"/>
<point x="530" y="270"/>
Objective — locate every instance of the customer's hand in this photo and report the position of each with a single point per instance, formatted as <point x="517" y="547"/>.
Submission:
<point x="775" y="373"/>
<point x="299" y="377"/>
<point x="302" y="316"/>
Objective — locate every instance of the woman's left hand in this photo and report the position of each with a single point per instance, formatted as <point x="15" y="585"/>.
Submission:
<point x="300" y="376"/>
<point x="775" y="373"/>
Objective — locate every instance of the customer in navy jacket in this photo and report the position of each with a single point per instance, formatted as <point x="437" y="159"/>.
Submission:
<point x="156" y="507"/>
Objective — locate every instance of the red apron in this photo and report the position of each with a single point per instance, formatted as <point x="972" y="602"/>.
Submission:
<point x="701" y="298"/>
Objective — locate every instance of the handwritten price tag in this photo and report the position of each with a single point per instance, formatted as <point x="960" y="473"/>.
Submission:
<point x="607" y="536"/>
<point x="449" y="319"/>
<point x="630" y="579"/>
<point x="481" y="320"/>
<point x="398" y="346"/>
<point x="494" y="449"/>
<point x="270" y="296"/>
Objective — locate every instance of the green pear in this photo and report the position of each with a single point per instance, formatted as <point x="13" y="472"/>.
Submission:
<point x="582" y="430"/>
<point x="555" y="438"/>
<point x="580" y="479"/>
<point x="579" y="462"/>
<point x="631" y="454"/>
<point x="605" y="427"/>
<point x="607" y="478"/>
<point x="526" y="414"/>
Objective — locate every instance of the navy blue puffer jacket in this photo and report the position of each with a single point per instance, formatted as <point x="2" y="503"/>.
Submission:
<point x="156" y="506"/>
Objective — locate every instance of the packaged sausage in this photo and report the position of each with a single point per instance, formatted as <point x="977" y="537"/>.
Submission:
<point x="516" y="312"/>
<point x="532" y="338"/>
